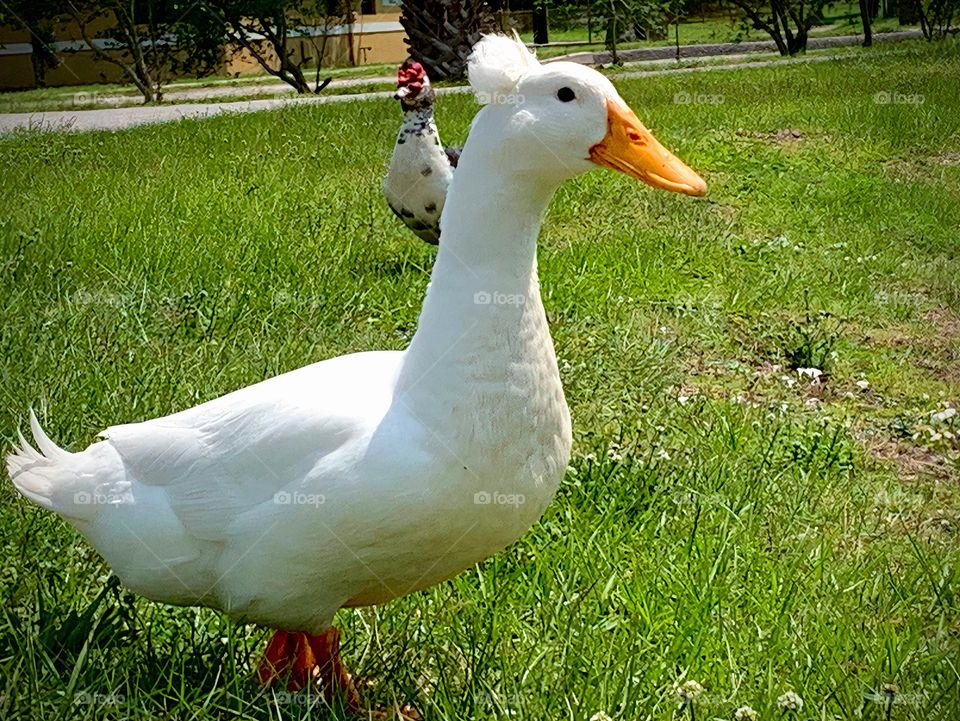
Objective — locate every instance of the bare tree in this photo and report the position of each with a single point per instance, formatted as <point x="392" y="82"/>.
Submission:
<point x="141" y="38"/>
<point x="787" y="22"/>
<point x="937" y="17"/>
<point x="265" y="28"/>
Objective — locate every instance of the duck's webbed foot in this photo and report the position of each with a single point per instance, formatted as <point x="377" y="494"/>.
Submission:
<point x="301" y="657"/>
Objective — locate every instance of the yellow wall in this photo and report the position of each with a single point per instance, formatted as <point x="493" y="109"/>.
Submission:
<point x="83" y="68"/>
<point x="16" y="72"/>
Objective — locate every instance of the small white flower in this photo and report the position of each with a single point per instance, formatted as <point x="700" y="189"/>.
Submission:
<point x="745" y="713"/>
<point x="943" y="416"/>
<point x="688" y="691"/>
<point x="790" y="701"/>
<point x="863" y="384"/>
<point x="600" y="716"/>
<point x="788" y="381"/>
<point x="663" y="456"/>
<point x="811" y="373"/>
<point x="682" y="400"/>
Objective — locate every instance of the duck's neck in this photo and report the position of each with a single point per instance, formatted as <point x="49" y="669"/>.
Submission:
<point x="417" y="122"/>
<point x="483" y="309"/>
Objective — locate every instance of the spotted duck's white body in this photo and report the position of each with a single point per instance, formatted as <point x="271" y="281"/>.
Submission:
<point x="420" y="171"/>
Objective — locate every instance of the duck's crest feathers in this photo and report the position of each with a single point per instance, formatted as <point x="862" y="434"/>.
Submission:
<point x="496" y="65"/>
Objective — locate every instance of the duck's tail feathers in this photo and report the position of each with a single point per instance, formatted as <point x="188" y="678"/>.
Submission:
<point x="47" y="476"/>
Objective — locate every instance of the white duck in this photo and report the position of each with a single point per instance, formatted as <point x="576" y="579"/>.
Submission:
<point x="421" y="168"/>
<point x="353" y="481"/>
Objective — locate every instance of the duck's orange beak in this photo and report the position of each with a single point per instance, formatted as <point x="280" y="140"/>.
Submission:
<point x="631" y="148"/>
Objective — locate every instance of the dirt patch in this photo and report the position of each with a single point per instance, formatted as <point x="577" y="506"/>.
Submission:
<point x="945" y="320"/>
<point x="944" y="343"/>
<point x="912" y="463"/>
<point x="726" y="212"/>
<point x="950" y="157"/>
<point x="922" y="168"/>
<point x="887" y="338"/>
<point x="933" y="342"/>
<point x="783" y="136"/>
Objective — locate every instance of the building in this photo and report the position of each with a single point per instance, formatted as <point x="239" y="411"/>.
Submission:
<point x="374" y="37"/>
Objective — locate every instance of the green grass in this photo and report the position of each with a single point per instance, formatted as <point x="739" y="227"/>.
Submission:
<point x="722" y="520"/>
<point x="86" y="97"/>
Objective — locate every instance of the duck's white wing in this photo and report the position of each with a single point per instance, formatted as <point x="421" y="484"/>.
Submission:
<point x="216" y="461"/>
<point x="220" y="459"/>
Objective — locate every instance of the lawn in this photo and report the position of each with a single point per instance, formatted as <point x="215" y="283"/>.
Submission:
<point x="725" y="518"/>
<point x="86" y="97"/>
<point x="838" y="19"/>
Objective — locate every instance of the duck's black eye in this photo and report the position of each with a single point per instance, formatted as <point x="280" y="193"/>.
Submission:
<point x="565" y="95"/>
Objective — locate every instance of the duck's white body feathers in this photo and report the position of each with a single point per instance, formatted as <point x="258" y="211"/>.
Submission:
<point x="347" y="482"/>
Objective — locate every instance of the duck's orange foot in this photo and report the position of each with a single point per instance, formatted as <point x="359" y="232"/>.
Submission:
<point x="301" y="657"/>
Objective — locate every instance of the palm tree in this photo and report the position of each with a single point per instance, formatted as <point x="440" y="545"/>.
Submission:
<point x="440" y="33"/>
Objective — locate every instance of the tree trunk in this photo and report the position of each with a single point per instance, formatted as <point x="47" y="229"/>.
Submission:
<point x="37" y="50"/>
<point x="865" y="19"/>
<point x="798" y="43"/>
<point x="540" y="27"/>
<point x="137" y="71"/>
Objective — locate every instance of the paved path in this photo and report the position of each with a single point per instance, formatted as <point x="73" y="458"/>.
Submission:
<point x="119" y="118"/>
<point x="232" y="90"/>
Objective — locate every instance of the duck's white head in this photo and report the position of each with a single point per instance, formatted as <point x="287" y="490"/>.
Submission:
<point x="552" y="122"/>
